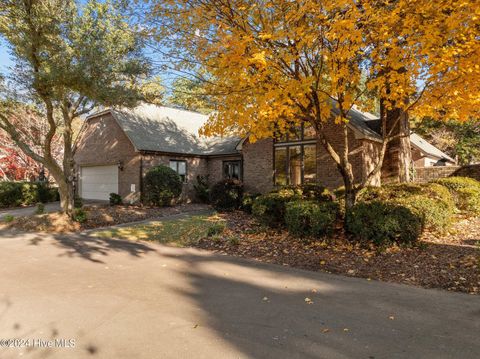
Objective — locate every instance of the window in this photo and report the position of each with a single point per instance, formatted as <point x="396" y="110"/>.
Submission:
<point x="231" y="170"/>
<point x="303" y="132"/>
<point x="180" y="167"/>
<point x="295" y="164"/>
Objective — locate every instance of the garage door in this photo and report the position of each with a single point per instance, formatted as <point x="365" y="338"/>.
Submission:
<point x="98" y="182"/>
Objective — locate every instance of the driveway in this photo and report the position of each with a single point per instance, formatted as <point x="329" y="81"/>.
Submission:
<point x="28" y="211"/>
<point x="119" y="299"/>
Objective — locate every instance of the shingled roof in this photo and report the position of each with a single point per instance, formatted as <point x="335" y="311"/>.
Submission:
<point x="155" y="128"/>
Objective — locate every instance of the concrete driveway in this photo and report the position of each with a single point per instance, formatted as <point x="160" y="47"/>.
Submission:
<point x="118" y="299"/>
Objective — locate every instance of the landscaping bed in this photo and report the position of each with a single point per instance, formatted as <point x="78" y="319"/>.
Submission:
<point x="98" y="215"/>
<point x="450" y="261"/>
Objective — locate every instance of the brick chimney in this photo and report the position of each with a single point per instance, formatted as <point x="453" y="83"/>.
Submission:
<point x="398" y="156"/>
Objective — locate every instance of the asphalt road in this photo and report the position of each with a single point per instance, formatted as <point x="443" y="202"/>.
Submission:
<point x="28" y="211"/>
<point x="115" y="299"/>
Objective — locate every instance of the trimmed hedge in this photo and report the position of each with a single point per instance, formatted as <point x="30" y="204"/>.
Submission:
<point x="311" y="218"/>
<point x="384" y="223"/>
<point x="465" y="191"/>
<point x="227" y="195"/>
<point x="431" y="202"/>
<point x="162" y="185"/>
<point x="270" y="208"/>
<point x="14" y="194"/>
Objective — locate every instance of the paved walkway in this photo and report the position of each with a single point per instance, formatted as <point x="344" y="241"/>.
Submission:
<point x="28" y="211"/>
<point x="119" y="299"/>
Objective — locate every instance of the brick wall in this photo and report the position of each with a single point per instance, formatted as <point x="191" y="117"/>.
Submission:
<point x="425" y="174"/>
<point x="258" y="161"/>
<point x="195" y="166"/>
<point x="258" y="166"/>
<point x="215" y="167"/>
<point x="327" y="171"/>
<point x="104" y="143"/>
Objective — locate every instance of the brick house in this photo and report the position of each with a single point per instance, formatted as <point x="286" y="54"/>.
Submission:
<point x="117" y="147"/>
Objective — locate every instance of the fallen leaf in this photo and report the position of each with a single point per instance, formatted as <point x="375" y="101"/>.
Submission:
<point x="391" y="317"/>
<point x="308" y="301"/>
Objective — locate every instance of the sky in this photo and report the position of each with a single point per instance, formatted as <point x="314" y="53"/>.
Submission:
<point x="5" y="60"/>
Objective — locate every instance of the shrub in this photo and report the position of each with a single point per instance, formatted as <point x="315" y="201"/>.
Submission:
<point x="202" y="189"/>
<point x="47" y="193"/>
<point x="216" y="228"/>
<point x="465" y="191"/>
<point x="383" y="223"/>
<point x="40" y="208"/>
<point x="311" y="218"/>
<point x="227" y="195"/>
<point x="13" y="194"/>
<point x="270" y="208"/>
<point x="432" y="202"/>
<point x="247" y="202"/>
<point x="115" y="199"/>
<point x="309" y="191"/>
<point x="162" y="185"/>
<point x="79" y="215"/>
<point x="8" y="218"/>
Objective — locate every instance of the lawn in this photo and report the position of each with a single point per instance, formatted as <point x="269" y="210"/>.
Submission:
<point x="179" y="232"/>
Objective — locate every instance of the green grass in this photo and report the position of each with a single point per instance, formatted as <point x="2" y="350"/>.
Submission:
<point x="8" y="218"/>
<point x="180" y="232"/>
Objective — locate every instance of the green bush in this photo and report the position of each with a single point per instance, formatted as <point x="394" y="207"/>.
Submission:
<point x="227" y="195"/>
<point x="79" y="215"/>
<point x="8" y="218"/>
<point x="270" y="208"/>
<point x="432" y="202"/>
<point x="308" y="191"/>
<point x="202" y="190"/>
<point x="115" y="199"/>
<point x="311" y="218"/>
<point x="465" y="191"/>
<point x="13" y="194"/>
<point x="383" y="223"/>
<point x="77" y="202"/>
<point x="162" y="185"/>
<point x="40" y="208"/>
<point x="216" y="228"/>
<point x="247" y="202"/>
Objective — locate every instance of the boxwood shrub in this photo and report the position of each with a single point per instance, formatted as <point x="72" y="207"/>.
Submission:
<point x="384" y="223"/>
<point x="14" y="194"/>
<point x="465" y="191"/>
<point x="227" y="195"/>
<point x="431" y="202"/>
<point x="270" y="208"/>
<point x="311" y="218"/>
<point x="162" y="185"/>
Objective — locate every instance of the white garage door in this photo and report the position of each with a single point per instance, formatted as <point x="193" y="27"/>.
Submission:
<point x="98" y="182"/>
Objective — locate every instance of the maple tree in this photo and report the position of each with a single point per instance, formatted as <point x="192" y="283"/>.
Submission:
<point x="69" y="59"/>
<point x="276" y="64"/>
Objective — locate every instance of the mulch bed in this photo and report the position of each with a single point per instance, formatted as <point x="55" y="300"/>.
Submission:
<point x="97" y="216"/>
<point x="450" y="261"/>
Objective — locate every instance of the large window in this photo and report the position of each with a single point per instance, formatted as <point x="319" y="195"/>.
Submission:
<point x="180" y="167"/>
<point x="231" y="170"/>
<point x="295" y="164"/>
<point x="296" y="157"/>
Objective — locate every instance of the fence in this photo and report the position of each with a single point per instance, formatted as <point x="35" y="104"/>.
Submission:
<point x="425" y="174"/>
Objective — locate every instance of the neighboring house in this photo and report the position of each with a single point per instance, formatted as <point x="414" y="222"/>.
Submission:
<point x="117" y="147"/>
<point x="424" y="154"/>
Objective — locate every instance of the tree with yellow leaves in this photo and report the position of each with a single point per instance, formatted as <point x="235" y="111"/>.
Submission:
<point x="277" y="64"/>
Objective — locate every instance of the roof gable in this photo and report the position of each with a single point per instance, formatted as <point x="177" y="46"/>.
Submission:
<point x="163" y="129"/>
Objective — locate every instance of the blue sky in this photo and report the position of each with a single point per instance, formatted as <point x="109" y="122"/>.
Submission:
<point x="5" y="60"/>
